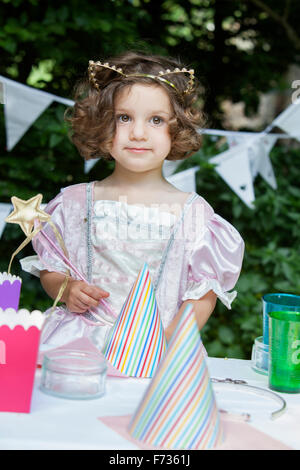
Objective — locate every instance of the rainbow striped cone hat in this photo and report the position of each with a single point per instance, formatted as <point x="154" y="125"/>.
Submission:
<point x="137" y="341"/>
<point x="179" y="410"/>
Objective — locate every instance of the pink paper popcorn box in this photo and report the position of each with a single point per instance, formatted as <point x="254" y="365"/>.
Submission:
<point x="179" y="410"/>
<point x="19" y="343"/>
<point x="10" y="289"/>
<point x="137" y="341"/>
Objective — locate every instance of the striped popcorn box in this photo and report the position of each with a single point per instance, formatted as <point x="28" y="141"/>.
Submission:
<point x="137" y="341"/>
<point x="179" y="410"/>
<point x="19" y="343"/>
<point x="10" y="289"/>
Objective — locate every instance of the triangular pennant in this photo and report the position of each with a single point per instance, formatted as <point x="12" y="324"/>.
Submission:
<point x="288" y="120"/>
<point x="235" y="139"/>
<point x="23" y="105"/>
<point x="185" y="180"/>
<point x="169" y="166"/>
<point x="255" y="154"/>
<point x="267" y="172"/>
<point x="268" y="142"/>
<point x="233" y="166"/>
<point x="179" y="410"/>
<point x="260" y="163"/>
<point x="89" y="164"/>
<point x="265" y="168"/>
<point x="5" y="209"/>
<point x="137" y="341"/>
<point x="2" y="92"/>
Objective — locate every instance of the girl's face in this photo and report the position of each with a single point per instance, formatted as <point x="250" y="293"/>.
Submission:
<point x="142" y="140"/>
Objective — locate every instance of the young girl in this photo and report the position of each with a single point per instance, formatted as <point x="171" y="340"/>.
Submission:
<point x="138" y="110"/>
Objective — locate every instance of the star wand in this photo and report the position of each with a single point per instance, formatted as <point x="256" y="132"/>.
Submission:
<point x="25" y="214"/>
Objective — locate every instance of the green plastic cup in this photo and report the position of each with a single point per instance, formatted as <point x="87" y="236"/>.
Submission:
<point x="284" y="351"/>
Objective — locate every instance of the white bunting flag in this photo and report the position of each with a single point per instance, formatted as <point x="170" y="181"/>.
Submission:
<point x="265" y="168"/>
<point x="185" y="180"/>
<point x="5" y="209"/>
<point x="253" y="145"/>
<point x="255" y="153"/>
<point x="89" y="164"/>
<point x="169" y="166"/>
<point x="2" y="93"/>
<point x="259" y="147"/>
<point x="233" y="166"/>
<point x="289" y="120"/>
<point x="22" y="106"/>
<point x="234" y="140"/>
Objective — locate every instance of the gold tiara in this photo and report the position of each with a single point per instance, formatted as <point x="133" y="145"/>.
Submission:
<point x="190" y="85"/>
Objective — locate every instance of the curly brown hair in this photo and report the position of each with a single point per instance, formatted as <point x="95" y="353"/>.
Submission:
<point x="92" y="118"/>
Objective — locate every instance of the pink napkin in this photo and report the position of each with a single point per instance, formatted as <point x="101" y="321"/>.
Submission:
<point x="239" y="435"/>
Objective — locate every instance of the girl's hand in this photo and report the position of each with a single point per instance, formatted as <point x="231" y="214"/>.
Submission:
<point x="80" y="296"/>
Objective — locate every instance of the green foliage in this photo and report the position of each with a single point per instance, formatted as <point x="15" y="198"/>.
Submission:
<point x="272" y="238"/>
<point x="236" y="54"/>
<point x="231" y="44"/>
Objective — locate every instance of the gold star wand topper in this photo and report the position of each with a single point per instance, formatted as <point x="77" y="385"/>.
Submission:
<point x="26" y="212"/>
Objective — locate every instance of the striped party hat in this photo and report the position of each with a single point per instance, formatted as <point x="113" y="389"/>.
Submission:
<point x="179" y="410"/>
<point x="137" y="341"/>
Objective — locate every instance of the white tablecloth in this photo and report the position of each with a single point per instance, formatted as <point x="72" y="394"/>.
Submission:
<point x="57" y="423"/>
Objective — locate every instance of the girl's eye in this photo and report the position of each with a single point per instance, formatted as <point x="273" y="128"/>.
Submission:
<point x="123" y="118"/>
<point x="157" y="120"/>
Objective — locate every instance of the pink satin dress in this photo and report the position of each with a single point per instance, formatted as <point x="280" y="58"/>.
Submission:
<point x="108" y="243"/>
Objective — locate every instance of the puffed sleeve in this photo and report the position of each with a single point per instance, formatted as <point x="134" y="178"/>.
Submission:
<point x="215" y="261"/>
<point x="45" y="258"/>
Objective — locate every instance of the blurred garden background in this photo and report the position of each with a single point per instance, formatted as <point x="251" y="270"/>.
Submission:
<point x="246" y="55"/>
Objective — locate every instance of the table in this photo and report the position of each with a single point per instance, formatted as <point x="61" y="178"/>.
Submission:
<point x="57" y="423"/>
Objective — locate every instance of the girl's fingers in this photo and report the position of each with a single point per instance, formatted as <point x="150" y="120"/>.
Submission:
<point x="78" y="307"/>
<point x="83" y="296"/>
<point x="87" y="300"/>
<point x="95" y="292"/>
<point x="104" y="293"/>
